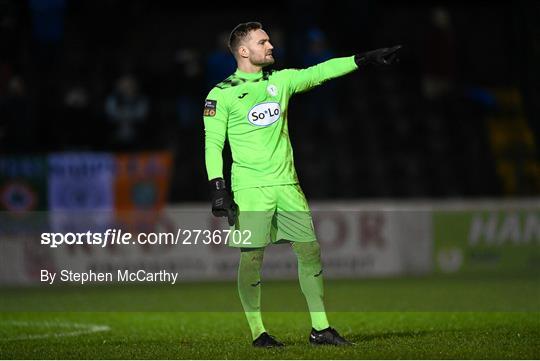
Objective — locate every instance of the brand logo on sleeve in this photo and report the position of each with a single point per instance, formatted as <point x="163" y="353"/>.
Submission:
<point x="210" y="107"/>
<point x="264" y="114"/>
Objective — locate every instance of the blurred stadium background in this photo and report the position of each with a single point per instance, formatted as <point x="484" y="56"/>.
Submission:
<point x="457" y="118"/>
<point x="426" y="169"/>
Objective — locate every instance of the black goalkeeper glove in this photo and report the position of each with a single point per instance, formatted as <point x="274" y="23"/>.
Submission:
<point x="223" y="204"/>
<point x="383" y="56"/>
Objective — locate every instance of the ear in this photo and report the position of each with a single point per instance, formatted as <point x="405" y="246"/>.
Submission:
<point x="243" y="51"/>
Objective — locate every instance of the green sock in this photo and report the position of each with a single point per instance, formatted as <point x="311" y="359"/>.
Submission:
<point x="249" y="288"/>
<point x="311" y="281"/>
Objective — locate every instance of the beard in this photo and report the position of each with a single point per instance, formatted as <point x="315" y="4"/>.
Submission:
<point x="263" y="61"/>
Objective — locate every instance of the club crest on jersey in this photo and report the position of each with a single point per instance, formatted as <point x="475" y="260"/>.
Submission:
<point x="264" y="114"/>
<point x="210" y="108"/>
<point x="272" y="90"/>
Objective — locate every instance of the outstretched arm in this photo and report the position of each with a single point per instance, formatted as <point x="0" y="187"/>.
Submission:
<point x="304" y="79"/>
<point x="301" y="80"/>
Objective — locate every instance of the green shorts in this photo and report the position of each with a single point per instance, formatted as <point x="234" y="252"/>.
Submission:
<point x="272" y="214"/>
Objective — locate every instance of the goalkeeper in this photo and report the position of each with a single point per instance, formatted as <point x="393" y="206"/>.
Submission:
<point x="250" y="107"/>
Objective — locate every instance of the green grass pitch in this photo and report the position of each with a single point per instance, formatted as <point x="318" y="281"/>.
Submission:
<point x="415" y="318"/>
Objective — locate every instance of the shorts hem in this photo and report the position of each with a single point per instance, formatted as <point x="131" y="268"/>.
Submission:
<point x="232" y="245"/>
<point x="234" y="189"/>
<point x="280" y="241"/>
<point x="302" y="240"/>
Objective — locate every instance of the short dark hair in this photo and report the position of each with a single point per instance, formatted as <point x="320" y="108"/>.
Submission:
<point x="240" y="32"/>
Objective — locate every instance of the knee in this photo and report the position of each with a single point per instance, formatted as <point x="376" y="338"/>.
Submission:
<point x="307" y="252"/>
<point x="253" y="256"/>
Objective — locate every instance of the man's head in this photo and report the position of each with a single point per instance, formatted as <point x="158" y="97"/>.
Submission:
<point x="250" y="43"/>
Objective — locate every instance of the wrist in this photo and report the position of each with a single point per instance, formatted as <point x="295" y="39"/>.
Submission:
<point x="217" y="184"/>
<point x="363" y="58"/>
<point x="360" y="59"/>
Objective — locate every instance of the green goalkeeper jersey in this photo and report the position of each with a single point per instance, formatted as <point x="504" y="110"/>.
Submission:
<point x="251" y="110"/>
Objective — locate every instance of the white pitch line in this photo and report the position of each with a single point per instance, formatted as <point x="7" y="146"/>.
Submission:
<point x="80" y="329"/>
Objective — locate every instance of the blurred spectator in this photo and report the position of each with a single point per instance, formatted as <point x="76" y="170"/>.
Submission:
<point x="16" y="122"/>
<point x="127" y="110"/>
<point x="439" y="55"/>
<point x="220" y="63"/>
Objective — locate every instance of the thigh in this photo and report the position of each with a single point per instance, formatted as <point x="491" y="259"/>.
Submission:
<point x="256" y="207"/>
<point x="293" y="216"/>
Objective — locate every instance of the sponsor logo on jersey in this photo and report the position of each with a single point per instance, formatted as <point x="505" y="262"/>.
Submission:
<point x="272" y="90"/>
<point x="264" y="114"/>
<point x="242" y="96"/>
<point x="210" y="108"/>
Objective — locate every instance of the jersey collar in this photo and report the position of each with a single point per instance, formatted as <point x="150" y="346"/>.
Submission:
<point x="249" y="76"/>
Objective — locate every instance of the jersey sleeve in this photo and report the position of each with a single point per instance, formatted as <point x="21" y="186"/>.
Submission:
<point x="304" y="79"/>
<point x="215" y="117"/>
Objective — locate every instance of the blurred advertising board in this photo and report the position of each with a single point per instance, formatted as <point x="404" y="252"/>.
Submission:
<point x="487" y="241"/>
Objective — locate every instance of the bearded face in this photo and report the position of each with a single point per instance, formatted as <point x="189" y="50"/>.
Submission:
<point x="259" y="48"/>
